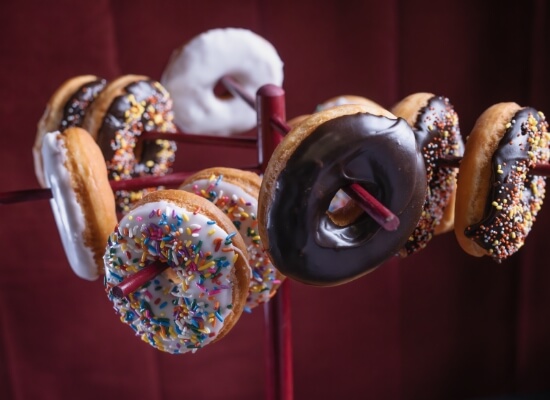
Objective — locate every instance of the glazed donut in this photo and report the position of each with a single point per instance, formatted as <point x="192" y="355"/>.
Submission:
<point x="236" y="192"/>
<point x="194" y="70"/>
<point x="83" y="204"/>
<point x="497" y="201"/>
<point x="329" y="151"/>
<point x="65" y="108"/>
<point x="435" y="125"/>
<point x="200" y="297"/>
<point x="346" y="99"/>
<point x="128" y="106"/>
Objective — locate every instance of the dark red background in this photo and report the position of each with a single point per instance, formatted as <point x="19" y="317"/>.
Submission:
<point x="439" y="325"/>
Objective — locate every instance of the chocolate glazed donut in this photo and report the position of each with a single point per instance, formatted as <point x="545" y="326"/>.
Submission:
<point x="377" y="152"/>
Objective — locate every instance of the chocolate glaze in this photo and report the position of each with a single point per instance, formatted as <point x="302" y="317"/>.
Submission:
<point x="513" y="191"/>
<point x="144" y="106"/>
<point x="78" y="103"/>
<point x="116" y="119"/>
<point x="438" y="135"/>
<point x="377" y="152"/>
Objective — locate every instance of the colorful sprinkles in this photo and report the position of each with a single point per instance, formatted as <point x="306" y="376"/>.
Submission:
<point x="515" y="197"/>
<point x="184" y="308"/>
<point x="437" y="133"/>
<point x="241" y="208"/>
<point x="145" y="106"/>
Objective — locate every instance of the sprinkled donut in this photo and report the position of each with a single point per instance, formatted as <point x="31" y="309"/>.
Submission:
<point x="83" y="204"/>
<point x="329" y="151"/>
<point x="200" y="297"/>
<point x="194" y="70"/>
<point x="435" y="125"/>
<point x="497" y="200"/>
<point x="65" y="108"/>
<point x="235" y="192"/>
<point x="127" y="107"/>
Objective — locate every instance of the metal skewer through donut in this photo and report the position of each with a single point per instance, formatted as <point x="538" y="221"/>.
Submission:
<point x="170" y="180"/>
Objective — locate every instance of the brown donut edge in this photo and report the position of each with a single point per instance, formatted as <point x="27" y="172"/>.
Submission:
<point x="94" y="194"/>
<point x="475" y="171"/>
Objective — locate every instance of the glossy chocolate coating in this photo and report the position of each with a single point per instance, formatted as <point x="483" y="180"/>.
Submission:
<point x="377" y="152"/>
<point x="118" y="120"/>
<point x="514" y="196"/>
<point x="438" y="135"/>
<point x="78" y="103"/>
<point x="144" y="106"/>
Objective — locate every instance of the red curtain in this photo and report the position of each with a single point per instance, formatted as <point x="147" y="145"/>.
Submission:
<point x="437" y="325"/>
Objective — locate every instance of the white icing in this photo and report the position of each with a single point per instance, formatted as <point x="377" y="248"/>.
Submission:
<point x="241" y="207"/>
<point x="193" y="71"/>
<point x="165" y="232"/>
<point x="67" y="212"/>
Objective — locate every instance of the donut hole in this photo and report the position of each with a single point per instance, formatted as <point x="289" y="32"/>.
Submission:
<point x="343" y="210"/>
<point x="221" y="92"/>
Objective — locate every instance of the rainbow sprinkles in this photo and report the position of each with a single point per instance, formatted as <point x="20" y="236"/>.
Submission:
<point x="184" y="308"/>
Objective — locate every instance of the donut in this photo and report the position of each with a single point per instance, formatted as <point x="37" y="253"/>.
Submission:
<point x="497" y="200"/>
<point x="65" y="108"/>
<point x="127" y="107"/>
<point x="435" y="125"/>
<point x="195" y="68"/>
<point x="346" y="99"/>
<point x="236" y="192"/>
<point x="83" y="204"/>
<point x="201" y="295"/>
<point x="329" y="151"/>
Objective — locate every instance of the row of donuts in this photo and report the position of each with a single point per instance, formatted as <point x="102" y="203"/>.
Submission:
<point x="115" y="114"/>
<point x="118" y="112"/>
<point x="344" y="125"/>
<point x="497" y="198"/>
<point x="205" y="234"/>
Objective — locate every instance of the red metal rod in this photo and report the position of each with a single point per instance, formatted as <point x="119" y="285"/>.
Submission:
<point x="186" y="138"/>
<point x="171" y="180"/>
<point x="140" y="278"/>
<point x="279" y="379"/>
<point x="20" y="196"/>
<point x="384" y="217"/>
<point x="237" y="90"/>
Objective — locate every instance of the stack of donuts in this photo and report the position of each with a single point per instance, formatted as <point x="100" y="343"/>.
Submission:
<point x="223" y="242"/>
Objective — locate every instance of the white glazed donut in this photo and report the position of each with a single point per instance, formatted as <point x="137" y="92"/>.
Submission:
<point x="201" y="295"/>
<point x="236" y="192"/>
<point x="83" y="203"/>
<point x="194" y="70"/>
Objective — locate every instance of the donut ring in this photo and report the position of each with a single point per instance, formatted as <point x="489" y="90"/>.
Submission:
<point x="83" y="204"/>
<point x="65" y="108"/>
<point x="236" y="192"/>
<point x="497" y="201"/>
<point x="194" y="70"/>
<point x="435" y="125"/>
<point x="128" y="106"/>
<point x="200" y="297"/>
<point x="328" y="151"/>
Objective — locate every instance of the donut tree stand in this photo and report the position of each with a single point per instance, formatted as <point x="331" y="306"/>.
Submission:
<point x="270" y="107"/>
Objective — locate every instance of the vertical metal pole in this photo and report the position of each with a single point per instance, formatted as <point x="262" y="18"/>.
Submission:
<point x="279" y="380"/>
